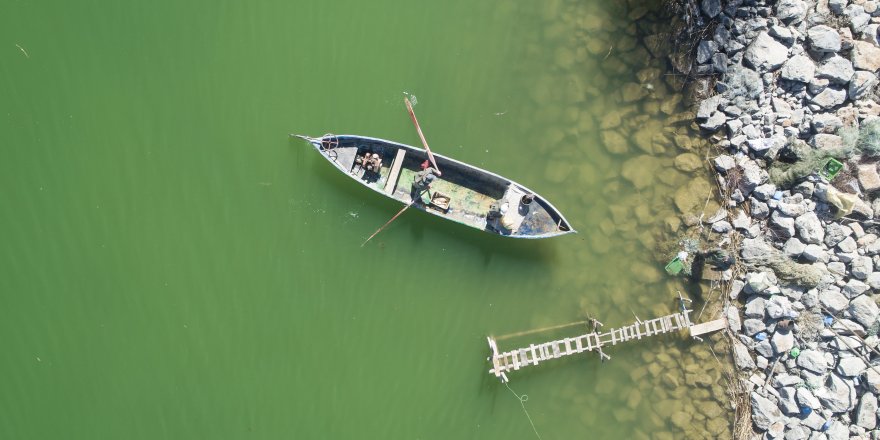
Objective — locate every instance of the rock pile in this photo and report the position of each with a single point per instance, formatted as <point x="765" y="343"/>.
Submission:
<point x="795" y="72"/>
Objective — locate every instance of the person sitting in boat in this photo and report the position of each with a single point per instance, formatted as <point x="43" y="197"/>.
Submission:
<point x="373" y="163"/>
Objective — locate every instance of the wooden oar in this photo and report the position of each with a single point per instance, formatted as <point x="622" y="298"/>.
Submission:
<point x="389" y="221"/>
<point x="419" y="129"/>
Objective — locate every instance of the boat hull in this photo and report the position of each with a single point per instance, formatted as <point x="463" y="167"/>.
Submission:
<point x="464" y="193"/>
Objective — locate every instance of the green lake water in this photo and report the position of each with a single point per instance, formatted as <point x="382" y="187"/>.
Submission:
<point x="174" y="266"/>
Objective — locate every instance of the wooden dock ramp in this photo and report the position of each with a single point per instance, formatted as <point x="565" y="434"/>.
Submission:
<point x="534" y="354"/>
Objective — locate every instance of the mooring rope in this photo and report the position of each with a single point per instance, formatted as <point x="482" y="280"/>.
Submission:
<point x="522" y="401"/>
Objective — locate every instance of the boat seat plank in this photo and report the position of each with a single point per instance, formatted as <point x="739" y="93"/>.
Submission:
<point x="395" y="171"/>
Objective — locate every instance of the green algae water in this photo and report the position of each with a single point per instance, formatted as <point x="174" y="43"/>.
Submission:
<point x="174" y="266"/>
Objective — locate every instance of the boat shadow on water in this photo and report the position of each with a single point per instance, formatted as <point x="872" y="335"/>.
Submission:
<point x="416" y="224"/>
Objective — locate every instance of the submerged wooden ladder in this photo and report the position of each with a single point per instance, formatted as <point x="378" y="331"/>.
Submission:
<point x="513" y="360"/>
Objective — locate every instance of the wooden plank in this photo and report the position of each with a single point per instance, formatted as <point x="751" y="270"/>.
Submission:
<point x="391" y="183"/>
<point x="534" y="356"/>
<point x="577" y="343"/>
<point x="708" y="327"/>
<point x="568" y="349"/>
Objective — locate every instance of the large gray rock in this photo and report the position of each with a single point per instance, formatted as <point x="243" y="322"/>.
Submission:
<point x="837" y="69"/>
<point x="741" y="356"/>
<point x="866" y="412"/>
<point x="836" y="6"/>
<point x="823" y="38"/>
<point x="714" y="122"/>
<point x="810" y="228"/>
<point x="793" y="248"/>
<point x="813" y="360"/>
<point x="872" y="378"/>
<point x="833" y="300"/>
<point x="782" y="226"/>
<point x="826" y="123"/>
<point x="861" y="267"/>
<point x="791" y="11"/>
<point x="705" y="50"/>
<point x="798" y="68"/>
<point x="764" y="412"/>
<point x="806" y="398"/>
<point x="864" y="310"/>
<point x="754" y="249"/>
<point x="708" y="106"/>
<point x="861" y="84"/>
<point x="829" y="98"/>
<point x="835" y="233"/>
<point x="814" y="253"/>
<point x="779" y="306"/>
<point x="854" y="288"/>
<point x="711" y="8"/>
<point x="765" y="53"/>
<point x="838" y="396"/>
<point x="752" y="327"/>
<point x="847" y="245"/>
<point x="868" y="177"/>
<point x="755" y="307"/>
<point x="865" y="56"/>
<point x="787" y="402"/>
<point x="851" y="366"/>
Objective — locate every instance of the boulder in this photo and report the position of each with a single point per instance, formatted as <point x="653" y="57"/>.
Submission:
<point x="823" y="38"/>
<point x="861" y="267"/>
<point x="838" y="396"/>
<point x="754" y="249"/>
<point x="865" y="56"/>
<point x="847" y="245"/>
<point x="705" y="50"/>
<point x="764" y="412"/>
<point x="798" y="68"/>
<point x="765" y="53"/>
<point x="757" y="282"/>
<point x="866" y="412"/>
<point x="741" y="356"/>
<point x="837" y="69"/>
<point x="810" y="228"/>
<point x="791" y="11"/>
<point x="833" y="300"/>
<point x="711" y="7"/>
<point x="782" y="226"/>
<point x="851" y="366"/>
<point x="835" y="233"/>
<point x="716" y="121"/>
<point x="793" y="247"/>
<point x="854" y="288"/>
<point x="806" y="398"/>
<point x="861" y="84"/>
<point x="830" y="97"/>
<point x="868" y="177"/>
<point x="724" y="163"/>
<point x="864" y="310"/>
<point x="813" y="360"/>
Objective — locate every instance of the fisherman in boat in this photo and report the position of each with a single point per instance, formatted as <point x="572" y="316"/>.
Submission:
<point x="424" y="178"/>
<point x="373" y="163"/>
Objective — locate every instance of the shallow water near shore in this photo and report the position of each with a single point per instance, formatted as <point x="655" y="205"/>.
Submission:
<point x="176" y="267"/>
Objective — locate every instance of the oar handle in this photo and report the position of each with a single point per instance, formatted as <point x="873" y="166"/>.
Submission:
<point x="412" y="115"/>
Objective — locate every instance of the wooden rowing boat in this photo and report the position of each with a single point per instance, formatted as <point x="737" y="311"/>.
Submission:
<point x="464" y="193"/>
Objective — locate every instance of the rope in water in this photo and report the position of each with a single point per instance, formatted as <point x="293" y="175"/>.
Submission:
<point x="522" y="401"/>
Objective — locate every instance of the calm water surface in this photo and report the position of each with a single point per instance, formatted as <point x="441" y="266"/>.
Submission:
<point x="173" y="266"/>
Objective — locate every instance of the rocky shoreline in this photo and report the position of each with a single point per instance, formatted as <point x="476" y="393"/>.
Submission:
<point x="797" y="86"/>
